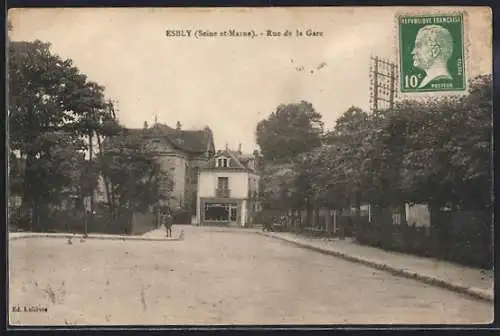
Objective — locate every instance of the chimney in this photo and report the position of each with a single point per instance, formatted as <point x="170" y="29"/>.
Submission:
<point x="239" y="148"/>
<point x="227" y="146"/>
<point x="178" y="126"/>
<point x="145" y="124"/>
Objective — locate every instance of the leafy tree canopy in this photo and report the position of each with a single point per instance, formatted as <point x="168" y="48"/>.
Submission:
<point x="289" y="131"/>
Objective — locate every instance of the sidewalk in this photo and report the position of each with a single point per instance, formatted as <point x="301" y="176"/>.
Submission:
<point x="473" y="282"/>
<point x="160" y="233"/>
<point x="157" y="237"/>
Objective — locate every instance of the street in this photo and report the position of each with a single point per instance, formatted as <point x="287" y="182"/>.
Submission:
<point x="215" y="276"/>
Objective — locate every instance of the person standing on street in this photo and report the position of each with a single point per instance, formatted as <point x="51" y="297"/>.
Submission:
<point x="168" y="223"/>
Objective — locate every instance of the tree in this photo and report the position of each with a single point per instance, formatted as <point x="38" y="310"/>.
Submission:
<point x="46" y="99"/>
<point x="307" y="167"/>
<point x="289" y="131"/>
<point x="277" y="184"/>
<point x="134" y="173"/>
<point x="448" y="157"/>
<point x="350" y="142"/>
<point x="472" y="154"/>
<point x="53" y="171"/>
<point x="331" y="183"/>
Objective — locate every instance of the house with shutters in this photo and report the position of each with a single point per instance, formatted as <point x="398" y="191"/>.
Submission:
<point x="228" y="190"/>
<point x="181" y="153"/>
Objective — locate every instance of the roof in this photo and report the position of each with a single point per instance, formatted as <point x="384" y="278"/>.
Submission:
<point x="238" y="161"/>
<point x="192" y="141"/>
<point x="195" y="141"/>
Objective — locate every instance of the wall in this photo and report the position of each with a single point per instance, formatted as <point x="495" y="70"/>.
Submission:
<point x="197" y="220"/>
<point x="171" y="161"/>
<point x="243" y="216"/>
<point x="463" y="237"/>
<point x="180" y="166"/>
<point x="175" y="165"/>
<point x="192" y="180"/>
<point x="253" y="182"/>
<point x="143" y="222"/>
<point x="238" y="183"/>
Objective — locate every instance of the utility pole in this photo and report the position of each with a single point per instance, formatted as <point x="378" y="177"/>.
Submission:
<point x="383" y="84"/>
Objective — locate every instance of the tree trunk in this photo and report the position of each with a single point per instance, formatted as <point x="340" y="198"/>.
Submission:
<point x="113" y="200"/>
<point x="91" y="159"/>
<point x="317" y="223"/>
<point x="357" y="222"/>
<point x="309" y="210"/>
<point x="85" y="222"/>
<point x="30" y="193"/>
<point x="35" y="217"/>
<point x="402" y="211"/>
<point x="435" y="229"/>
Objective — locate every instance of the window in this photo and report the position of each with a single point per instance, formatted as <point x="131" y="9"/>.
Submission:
<point x="223" y="183"/>
<point x="221" y="212"/>
<point x="222" y="162"/>
<point x="396" y="218"/>
<point x="194" y="174"/>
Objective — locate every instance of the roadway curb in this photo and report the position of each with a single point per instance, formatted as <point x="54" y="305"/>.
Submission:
<point x="100" y="237"/>
<point x="428" y="279"/>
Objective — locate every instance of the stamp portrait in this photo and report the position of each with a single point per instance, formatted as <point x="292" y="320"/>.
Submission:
<point x="431" y="53"/>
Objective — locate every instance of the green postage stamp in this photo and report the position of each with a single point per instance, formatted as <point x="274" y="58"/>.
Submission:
<point x="431" y="53"/>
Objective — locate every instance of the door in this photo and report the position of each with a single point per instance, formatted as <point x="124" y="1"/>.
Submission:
<point x="234" y="214"/>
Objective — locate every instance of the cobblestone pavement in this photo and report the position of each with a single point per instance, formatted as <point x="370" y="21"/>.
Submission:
<point x="215" y="277"/>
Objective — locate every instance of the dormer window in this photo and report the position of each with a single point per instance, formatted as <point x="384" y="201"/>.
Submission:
<point x="222" y="162"/>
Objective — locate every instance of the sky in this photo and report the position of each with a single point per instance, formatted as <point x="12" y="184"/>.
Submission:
<point x="230" y="83"/>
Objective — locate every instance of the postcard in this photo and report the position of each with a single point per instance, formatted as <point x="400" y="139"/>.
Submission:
<point x="249" y="166"/>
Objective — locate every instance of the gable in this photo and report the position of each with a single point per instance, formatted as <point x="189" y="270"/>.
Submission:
<point x="222" y="157"/>
<point x="235" y="161"/>
<point x="223" y="161"/>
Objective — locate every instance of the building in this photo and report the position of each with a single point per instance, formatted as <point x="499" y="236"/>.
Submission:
<point x="181" y="153"/>
<point x="228" y="190"/>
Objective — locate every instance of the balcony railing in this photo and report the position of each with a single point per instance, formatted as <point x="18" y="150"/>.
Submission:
<point x="222" y="192"/>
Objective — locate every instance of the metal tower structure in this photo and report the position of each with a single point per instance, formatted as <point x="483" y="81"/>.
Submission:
<point x="383" y="83"/>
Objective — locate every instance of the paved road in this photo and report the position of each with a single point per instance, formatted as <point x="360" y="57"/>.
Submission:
<point x="216" y="277"/>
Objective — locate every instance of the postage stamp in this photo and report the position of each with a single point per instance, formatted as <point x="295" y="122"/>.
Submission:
<point x="431" y="53"/>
